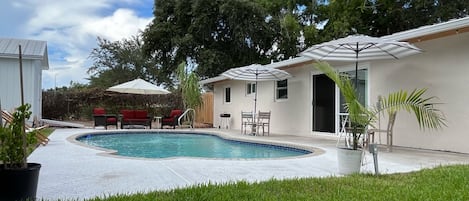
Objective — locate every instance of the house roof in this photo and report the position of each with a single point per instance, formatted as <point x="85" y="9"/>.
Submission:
<point x="428" y="32"/>
<point x="31" y="50"/>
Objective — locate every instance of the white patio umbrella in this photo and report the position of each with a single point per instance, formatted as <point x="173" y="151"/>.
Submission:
<point x="138" y="86"/>
<point x="256" y="72"/>
<point x="360" y="48"/>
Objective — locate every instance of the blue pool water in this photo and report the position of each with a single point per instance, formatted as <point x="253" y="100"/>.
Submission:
<point x="165" y="145"/>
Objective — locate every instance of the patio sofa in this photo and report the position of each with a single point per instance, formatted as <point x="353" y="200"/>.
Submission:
<point x="135" y="117"/>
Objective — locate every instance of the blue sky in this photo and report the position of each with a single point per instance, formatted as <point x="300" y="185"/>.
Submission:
<point x="70" y="28"/>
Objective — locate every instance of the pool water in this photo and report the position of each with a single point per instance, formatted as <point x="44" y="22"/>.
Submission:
<point x="165" y="145"/>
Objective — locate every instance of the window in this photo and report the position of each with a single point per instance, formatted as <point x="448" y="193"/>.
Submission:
<point x="227" y="95"/>
<point x="281" y="90"/>
<point x="250" y="88"/>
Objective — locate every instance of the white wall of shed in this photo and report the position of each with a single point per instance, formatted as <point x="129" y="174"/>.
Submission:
<point x="10" y="91"/>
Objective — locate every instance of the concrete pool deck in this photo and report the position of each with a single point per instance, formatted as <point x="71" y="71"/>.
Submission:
<point x="71" y="171"/>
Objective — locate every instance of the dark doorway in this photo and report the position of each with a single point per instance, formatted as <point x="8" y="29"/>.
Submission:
<point x="323" y="104"/>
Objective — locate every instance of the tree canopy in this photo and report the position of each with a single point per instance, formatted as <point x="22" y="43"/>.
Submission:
<point x="213" y="36"/>
<point x="222" y="34"/>
<point x="116" y="62"/>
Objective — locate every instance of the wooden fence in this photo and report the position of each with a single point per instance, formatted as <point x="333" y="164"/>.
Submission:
<point x="204" y="114"/>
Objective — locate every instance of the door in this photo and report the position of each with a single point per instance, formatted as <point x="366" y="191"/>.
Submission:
<point x="323" y="104"/>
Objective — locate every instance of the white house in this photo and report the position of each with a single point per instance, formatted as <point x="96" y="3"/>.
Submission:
<point x="34" y="60"/>
<point x="313" y="104"/>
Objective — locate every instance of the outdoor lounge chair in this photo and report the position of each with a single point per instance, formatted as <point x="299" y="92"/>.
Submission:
<point x="172" y="119"/>
<point x="42" y="139"/>
<point x="246" y="120"/>
<point x="102" y="119"/>
<point x="263" y="120"/>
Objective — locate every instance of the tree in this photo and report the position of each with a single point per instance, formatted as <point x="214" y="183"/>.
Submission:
<point x="384" y="17"/>
<point x="222" y="34"/>
<point x="216" y="35"/>
<point x="344" y="18"/>
<point x="120" y="61"/>
<point x="296" y="21"/>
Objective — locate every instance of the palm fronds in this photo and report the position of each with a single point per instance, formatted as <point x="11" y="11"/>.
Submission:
<point x="427" y="115"/>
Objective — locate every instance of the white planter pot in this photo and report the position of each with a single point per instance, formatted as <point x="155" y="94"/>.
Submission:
<point x="349" y="160"/>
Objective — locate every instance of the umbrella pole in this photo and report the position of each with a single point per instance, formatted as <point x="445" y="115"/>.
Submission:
<point x="254" y="125"/>
<point x="255" y="99"/>
<point x="356" y="68"/>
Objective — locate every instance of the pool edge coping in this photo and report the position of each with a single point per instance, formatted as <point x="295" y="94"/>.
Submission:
<point x="315" y="151"/>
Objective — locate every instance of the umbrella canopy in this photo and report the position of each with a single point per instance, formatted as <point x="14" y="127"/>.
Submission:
<point x="138" y="86"/>
<point x="367" y="48"/>
<point x="360" y="48"/>
<point x="256" y="72"/>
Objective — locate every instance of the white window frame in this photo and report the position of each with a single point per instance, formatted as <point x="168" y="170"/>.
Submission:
<point x="224" y="95"/>
<point x="277" y="88"/>
<point x="251" y="88"/>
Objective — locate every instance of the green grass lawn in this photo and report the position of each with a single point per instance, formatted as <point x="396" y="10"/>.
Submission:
<point x="47" y="131"/>
<point x="442" y="183"/>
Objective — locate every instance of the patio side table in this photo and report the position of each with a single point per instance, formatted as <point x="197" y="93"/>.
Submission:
<point x="225" y="120"/>
<point x="158" y="121"/>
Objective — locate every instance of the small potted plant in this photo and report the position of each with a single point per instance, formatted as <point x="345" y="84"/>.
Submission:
<point x="361" y="117"/>
<point x="18" y="178"/>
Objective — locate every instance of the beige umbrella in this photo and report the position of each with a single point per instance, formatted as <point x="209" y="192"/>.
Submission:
<point x="138" y="86"/>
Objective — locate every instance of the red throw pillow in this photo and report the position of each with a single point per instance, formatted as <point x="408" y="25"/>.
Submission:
<point x="127" y="114"/>
<point x="141" y="114"/>
<point x="99" y="111"/>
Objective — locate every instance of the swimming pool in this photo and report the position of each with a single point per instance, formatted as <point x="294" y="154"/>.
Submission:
<point x="169" y="144"/>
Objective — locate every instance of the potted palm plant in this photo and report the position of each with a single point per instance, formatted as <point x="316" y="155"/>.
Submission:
<point x="18" y="178"/>
<point x="362" y="117"/>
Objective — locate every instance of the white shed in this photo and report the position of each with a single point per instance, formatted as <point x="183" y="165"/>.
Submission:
<point x="34" y="59"/>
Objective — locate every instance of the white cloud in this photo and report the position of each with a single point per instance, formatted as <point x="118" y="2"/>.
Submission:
<point x="122" y="24"/>
<point x="70" y="28"/>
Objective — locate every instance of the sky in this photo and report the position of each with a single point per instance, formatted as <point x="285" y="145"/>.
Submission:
<point x="71" y="28"/>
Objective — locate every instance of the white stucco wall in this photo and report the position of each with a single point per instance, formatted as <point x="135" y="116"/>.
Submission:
<point x="443" y="68"/>
<point x="291" y="116"/>
<point x="10" y="85"/>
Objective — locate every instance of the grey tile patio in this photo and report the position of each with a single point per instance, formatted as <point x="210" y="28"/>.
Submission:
<point x="72" y="171"/>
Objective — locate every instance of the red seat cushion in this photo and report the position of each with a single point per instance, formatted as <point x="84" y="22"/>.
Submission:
<point x="168" y="119"/>
<point x="111" y="120"/>
<point x="137" y="120"/>
<point x="172" y="115"/>
<point x="175" y="113"/>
